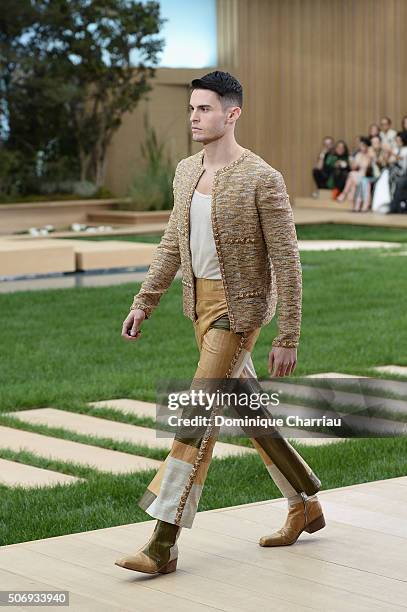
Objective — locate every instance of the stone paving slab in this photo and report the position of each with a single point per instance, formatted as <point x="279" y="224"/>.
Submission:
<point x="14" y="474"/>
<point x="330" y="245"/>
<point x="104" y="428"/>
<point x="380" y="384"/>
<point x="341" y="398"/>
<point x="102" y="459"/>
<point x="333" y="375"/>
<point x="393" y="369"/>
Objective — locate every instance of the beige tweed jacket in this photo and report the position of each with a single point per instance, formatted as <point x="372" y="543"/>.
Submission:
<point x="256" y="244"/>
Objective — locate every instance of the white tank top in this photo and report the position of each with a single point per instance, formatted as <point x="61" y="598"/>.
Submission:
<point x="205" y="262"/>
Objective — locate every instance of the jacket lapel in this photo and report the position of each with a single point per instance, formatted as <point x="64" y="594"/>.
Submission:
<point x="194" y="174"/>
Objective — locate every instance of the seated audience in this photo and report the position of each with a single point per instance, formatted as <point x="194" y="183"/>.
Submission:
<point x="374" y="175"/>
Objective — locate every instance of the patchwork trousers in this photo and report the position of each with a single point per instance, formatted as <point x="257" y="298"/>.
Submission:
<point x="174" y="492"/>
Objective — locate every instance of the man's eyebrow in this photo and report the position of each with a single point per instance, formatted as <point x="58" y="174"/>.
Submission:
<point x="200" y="106"/>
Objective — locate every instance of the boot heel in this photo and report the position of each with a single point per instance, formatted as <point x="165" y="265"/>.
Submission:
<point x="316" y="524"/>
<point x="171" y="566"/>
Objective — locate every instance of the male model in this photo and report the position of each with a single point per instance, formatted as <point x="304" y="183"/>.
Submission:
<point x="232" y="232"/>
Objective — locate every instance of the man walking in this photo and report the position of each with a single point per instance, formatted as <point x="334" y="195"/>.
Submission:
<point x="232" y="232"/>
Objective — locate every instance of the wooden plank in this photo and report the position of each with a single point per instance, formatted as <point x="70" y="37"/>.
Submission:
<point x="173" y="592"/>
<point x="15" y="582"/>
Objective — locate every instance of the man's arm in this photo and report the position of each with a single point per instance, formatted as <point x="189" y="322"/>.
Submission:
<point x="163" y="268"/>
<point x="277" y="222"/>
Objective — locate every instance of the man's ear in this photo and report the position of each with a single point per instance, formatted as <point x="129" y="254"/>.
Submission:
<point x="235" y="113"/>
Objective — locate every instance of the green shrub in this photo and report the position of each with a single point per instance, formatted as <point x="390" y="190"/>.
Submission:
<point x="151" y="187"/>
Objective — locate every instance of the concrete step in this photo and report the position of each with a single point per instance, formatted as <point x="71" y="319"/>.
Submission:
<point x="129" y="217"/>
<point x="44" y="256"/>
<point x="312" y="216"/>
<point x="105" y="254"/>
<point x="104" y="428"/>
<point x="14" y="474"/>
<point x="18" y="257"/>
<point x="102" y="459"/>
<point x="322" y="203"/>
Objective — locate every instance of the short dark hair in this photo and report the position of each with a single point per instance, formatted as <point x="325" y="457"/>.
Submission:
<point x="365" y="140"/>
<point x="224" y="84"/>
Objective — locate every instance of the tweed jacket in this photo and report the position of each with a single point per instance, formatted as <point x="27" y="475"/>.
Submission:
<point x="256" y="243"/>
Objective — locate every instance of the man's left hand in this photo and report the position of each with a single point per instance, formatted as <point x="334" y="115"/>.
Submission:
<point x="282" y="361"/>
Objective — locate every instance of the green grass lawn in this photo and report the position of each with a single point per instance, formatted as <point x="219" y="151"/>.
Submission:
<point x="64" y="349"/>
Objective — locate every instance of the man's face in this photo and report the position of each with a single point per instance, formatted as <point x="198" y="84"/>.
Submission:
<point x="209" y="121"/>
<point x="328" y="143"/>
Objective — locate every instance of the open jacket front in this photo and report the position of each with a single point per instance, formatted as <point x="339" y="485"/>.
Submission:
<point x="256" y="243"/>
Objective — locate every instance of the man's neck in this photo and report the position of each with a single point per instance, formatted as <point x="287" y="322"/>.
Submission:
<point x="217" y="155"/>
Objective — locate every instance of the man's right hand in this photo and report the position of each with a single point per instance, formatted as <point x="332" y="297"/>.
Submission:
<point x="131" y="325"/>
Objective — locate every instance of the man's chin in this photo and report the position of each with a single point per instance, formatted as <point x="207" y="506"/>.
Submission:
<point x="200" y="138"/>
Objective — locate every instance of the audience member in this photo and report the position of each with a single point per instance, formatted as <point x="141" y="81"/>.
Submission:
<point x="341" y="168"/>
<point x="361" y="165"/>
<point x="323" y="169"/>
<point x="374" y="130"/>
<point x="398" y="176"/>
<point x="387" y="133"/>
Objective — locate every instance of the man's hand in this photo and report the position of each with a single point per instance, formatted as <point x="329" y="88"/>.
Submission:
<point x="131" y="325"/>
<point x="282" y="361"/>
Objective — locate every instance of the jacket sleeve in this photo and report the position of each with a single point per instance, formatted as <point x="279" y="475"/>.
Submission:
<point x="277" y="222"/>
<point x="164" y="266"/>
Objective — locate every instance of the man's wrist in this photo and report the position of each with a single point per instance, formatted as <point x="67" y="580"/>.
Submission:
<point x="285" y="343"/>
<point x="137" y="306"/>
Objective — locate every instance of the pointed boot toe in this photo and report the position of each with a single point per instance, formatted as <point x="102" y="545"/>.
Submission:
<point x="304" y="516"/>
<point x="140" y="562"/>
<point x="159" y="555"/>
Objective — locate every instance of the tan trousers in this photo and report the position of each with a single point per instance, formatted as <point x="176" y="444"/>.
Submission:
<point x="170" y="496"/>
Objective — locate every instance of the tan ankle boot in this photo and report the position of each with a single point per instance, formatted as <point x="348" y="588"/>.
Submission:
<point x="159" y="555"/>
<point x="304" y="516"/>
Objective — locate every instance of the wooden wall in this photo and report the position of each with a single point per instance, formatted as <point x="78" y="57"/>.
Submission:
<point x="309" y="68"/>
<point x="166" y="107"/>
